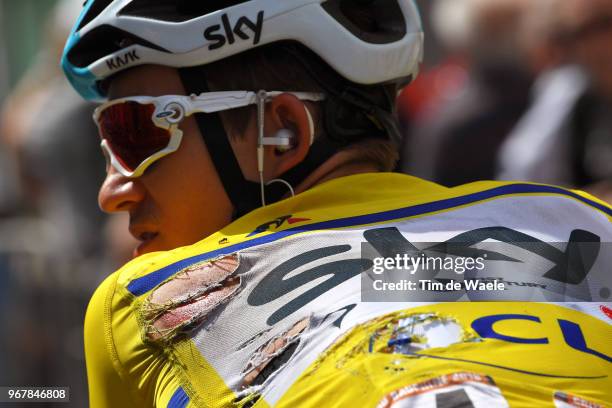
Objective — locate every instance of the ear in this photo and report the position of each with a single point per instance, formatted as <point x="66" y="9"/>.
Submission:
<point x="286" y="111"/>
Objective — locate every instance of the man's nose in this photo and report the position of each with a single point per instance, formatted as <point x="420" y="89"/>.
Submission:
<point x="120" y="193"/>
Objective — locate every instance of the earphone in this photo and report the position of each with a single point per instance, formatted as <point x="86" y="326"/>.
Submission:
<point x="284" y="138"/>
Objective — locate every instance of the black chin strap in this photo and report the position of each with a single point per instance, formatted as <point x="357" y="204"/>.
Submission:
<point x="245" y="195"/>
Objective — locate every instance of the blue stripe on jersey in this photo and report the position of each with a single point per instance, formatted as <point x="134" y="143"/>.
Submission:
<point x="146" y="283"/>
<point x="179" y="399"/>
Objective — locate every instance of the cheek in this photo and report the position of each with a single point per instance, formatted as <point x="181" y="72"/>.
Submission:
<point x="188" y="193"/>
<point x="246" y="152"/>
<point x="195" y="216"/>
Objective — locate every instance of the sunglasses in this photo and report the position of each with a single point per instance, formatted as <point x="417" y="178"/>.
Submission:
<point x="137" y="131"/>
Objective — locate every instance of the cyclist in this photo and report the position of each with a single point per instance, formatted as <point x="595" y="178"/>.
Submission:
<point x="251" y="143"/>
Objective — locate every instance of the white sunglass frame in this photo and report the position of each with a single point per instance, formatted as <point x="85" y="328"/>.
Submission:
<point x="170" y="110"/>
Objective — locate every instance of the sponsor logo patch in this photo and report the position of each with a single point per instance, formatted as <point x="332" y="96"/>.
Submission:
<point x="277" y="223"/>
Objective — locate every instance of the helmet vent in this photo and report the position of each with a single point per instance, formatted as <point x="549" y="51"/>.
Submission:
<point x="176" y="10"/>
<point x="373" y="21"/>
<point x="96" y="8"/>
<point x="102" y="42"/>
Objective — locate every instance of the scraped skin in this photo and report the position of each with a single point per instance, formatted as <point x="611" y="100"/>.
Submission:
<point x="188" y="298"/>
<point x="194" y="279"/>
<point x="271" y="350"/>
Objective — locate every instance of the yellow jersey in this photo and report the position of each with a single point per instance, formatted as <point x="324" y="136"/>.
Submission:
<point x="271" y="311"/>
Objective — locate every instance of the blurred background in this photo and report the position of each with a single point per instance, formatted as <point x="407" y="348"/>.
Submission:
<point x="56" y="246"/>
<point x="509" y="90"/>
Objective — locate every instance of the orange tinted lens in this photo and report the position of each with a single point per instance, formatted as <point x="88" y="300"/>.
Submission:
<point x="131" y="134"/>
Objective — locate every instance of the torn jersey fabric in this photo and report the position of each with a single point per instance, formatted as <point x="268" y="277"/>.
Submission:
<point x="274" y="310"/>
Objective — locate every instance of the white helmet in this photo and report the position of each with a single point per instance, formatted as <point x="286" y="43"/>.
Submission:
<point x="113" y="35"/>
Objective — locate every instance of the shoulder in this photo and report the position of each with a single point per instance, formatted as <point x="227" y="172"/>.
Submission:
<point x="533" y="196"/>
<point x="97" y="318"/>
<point x="519" y="188"/>
<point x="119" y="360"/>
<point x="540" y="206"/>
<point x="401" y="190"/>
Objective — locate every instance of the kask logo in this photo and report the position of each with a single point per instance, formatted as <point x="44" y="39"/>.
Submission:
<point x="122" y="60"/>
<point x="221" y="34"/>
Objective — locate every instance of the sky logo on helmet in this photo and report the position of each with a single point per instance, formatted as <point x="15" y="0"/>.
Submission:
<point x="218" y="39"/>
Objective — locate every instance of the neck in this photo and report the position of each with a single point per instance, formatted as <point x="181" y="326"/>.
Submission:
<point x="340" y="165"/>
